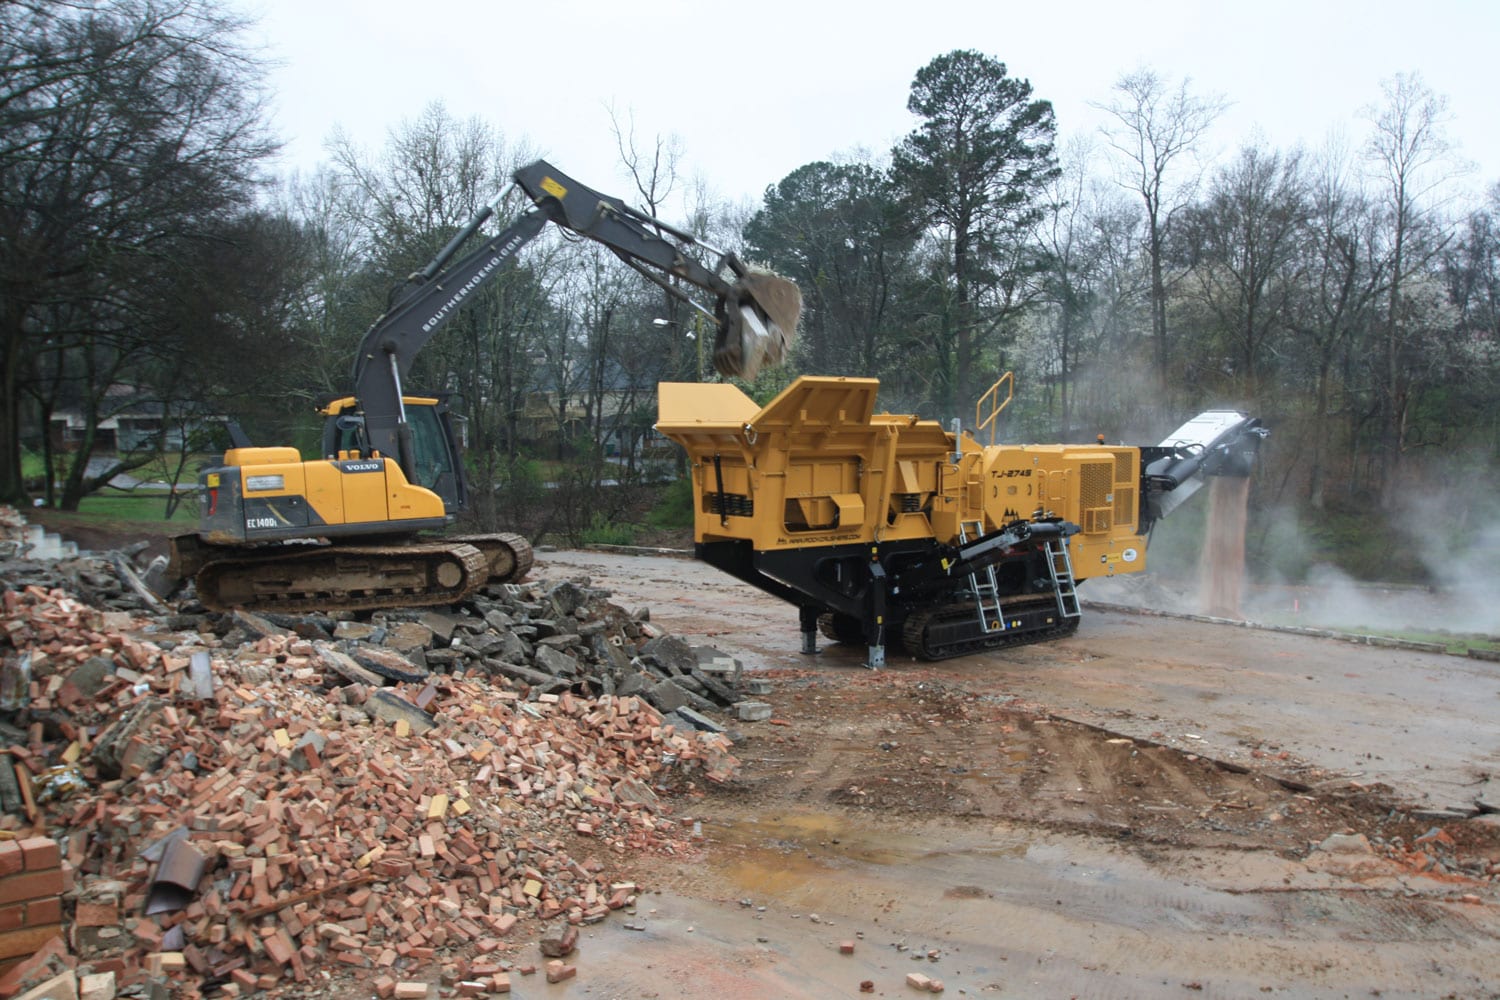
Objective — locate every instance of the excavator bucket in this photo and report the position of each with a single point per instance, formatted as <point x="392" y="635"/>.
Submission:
<point x="759" y="324"/>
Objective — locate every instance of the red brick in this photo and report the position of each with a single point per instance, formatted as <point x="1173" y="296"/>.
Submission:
<point x="96" y="914"/>
<point x="40" y="853"/>
<point x="279" y="947"/>
<point x="31" y="885"/>
<point x="11" y="858"/>
<point x="12" y="978"/>
<point x="27" y="939"/>
<point x="44" y="911"/>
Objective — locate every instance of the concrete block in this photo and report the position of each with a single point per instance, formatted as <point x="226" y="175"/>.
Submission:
<point x="752" y="711"/>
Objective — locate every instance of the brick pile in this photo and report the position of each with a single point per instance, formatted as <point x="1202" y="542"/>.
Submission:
<point x="370" y="799"/>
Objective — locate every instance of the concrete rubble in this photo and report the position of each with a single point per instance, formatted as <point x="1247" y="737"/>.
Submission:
<point x="253" y="803"/>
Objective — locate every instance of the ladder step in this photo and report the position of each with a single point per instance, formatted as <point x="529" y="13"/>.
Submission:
<point x="982" y="584"/>
<point x="1063" y="583"/>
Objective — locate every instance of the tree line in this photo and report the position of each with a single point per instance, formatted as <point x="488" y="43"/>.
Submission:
<point x="149" y="261"/>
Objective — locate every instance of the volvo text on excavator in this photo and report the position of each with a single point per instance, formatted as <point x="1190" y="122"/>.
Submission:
<point x="341" y="532"/>
<point x="888" y="529"/>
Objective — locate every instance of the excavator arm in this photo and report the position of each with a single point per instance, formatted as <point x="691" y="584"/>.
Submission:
<point x="755" y="312"/>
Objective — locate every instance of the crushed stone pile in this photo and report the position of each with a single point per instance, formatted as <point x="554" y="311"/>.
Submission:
<point x="261" y="803"/>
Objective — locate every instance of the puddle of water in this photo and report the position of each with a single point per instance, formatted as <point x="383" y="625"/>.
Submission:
<point x="800" y="854"/>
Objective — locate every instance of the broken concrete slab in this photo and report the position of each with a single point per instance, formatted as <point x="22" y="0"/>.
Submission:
<point x="390" y="707"/>
<point x="567" y="597"/>
<point x="526" y="675"/>
<point x="672" y="653"/>
<point x="92" y="676"/>
<point x="699" y="721"/>
<point x="123" y="746"/>
<point x="388" y="664"/>
<point x="667" y="696"/>
<point x="441" y="625"/>
<point x="555" y="662"/>
<point x="408" y="637"/>
<point x="341" y="663"/>
<point x="715" y="688"/>
<point x="351" y="630"/>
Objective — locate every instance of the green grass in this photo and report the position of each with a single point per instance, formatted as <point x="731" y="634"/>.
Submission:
<point x="1457" y="644"/>
<point x="105" y="512"/>
<point x="159" y="469"/>
<point x="602" y="532"/>
<point x="136" y="508"/>
<point x="674" y="506"/>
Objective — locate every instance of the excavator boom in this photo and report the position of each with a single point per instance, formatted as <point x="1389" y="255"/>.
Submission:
<point x="755" y="312"/>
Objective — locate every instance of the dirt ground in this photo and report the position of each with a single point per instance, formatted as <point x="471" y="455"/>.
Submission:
<point x="1153" y="807"/>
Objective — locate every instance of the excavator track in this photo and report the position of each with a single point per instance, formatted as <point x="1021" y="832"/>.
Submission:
<point x="510" y="556"/>
<point x="344" y="577"/>
<point x="954" y="630"/>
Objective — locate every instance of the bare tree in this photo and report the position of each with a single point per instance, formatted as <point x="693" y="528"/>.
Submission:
<point x="129" y="132"/>
<point x="654" y="171"/>
<point x="1343" y="279"/>
<point x="1066" y="236"/>
<point x="1244" y="245"/>
<point x="1155" y="132"/>
<point x="1410" y="149"/>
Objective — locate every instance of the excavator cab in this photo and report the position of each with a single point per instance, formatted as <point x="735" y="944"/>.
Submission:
<point x="435" y="445"/>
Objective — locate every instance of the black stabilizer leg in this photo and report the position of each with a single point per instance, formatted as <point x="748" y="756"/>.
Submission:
<point x="875" y="617"/>
<point x="809" y="619"/>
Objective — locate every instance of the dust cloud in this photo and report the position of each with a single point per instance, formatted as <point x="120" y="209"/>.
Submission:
<point x="1462" y="595"/>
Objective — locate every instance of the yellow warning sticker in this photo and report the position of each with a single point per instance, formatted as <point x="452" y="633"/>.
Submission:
<point x="553" y="188"/>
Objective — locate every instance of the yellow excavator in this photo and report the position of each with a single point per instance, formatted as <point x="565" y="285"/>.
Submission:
<point x="888" y="529"/>
<point x="348" y="530"/>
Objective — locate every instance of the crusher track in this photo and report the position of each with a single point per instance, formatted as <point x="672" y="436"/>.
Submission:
<point x="954" y="630"/>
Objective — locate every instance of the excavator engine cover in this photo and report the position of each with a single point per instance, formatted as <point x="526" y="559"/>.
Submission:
<point x="760" y="323"/>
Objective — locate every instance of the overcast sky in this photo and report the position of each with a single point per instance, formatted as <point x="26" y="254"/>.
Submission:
<point x="755" y="91"/>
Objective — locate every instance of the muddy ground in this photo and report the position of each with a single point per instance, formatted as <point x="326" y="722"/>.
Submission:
<point x="1153" y="807"/>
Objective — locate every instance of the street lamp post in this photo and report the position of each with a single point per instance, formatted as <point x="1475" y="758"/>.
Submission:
<point x="695" y="335"/>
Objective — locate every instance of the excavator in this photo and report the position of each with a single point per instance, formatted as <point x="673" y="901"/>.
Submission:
<point x="350" y="530"/>
<point x="886" y="529"/>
